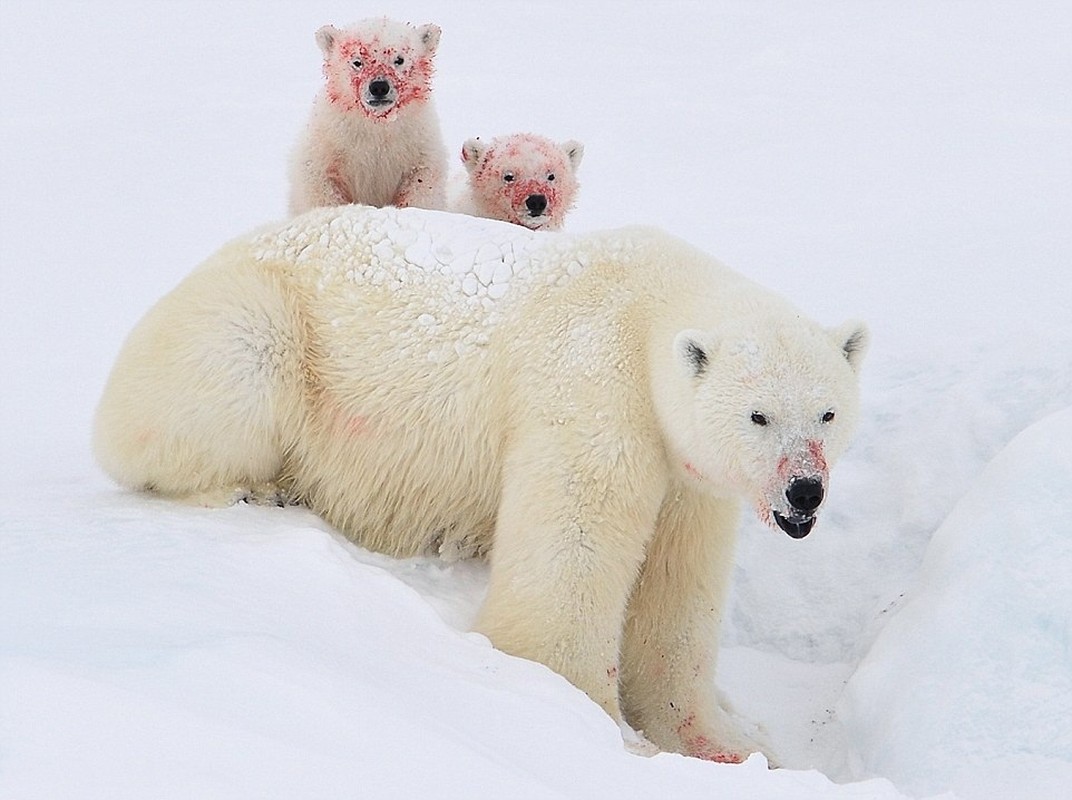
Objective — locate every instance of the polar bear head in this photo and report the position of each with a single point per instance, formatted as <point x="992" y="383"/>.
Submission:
<point x="769" y="408"/>
<point x="525" y="179"/>
<point x="378" y="66"/>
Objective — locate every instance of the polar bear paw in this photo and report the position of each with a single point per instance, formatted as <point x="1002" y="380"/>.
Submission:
<point x="636" y="743"/>
<point x="262" y="494"/>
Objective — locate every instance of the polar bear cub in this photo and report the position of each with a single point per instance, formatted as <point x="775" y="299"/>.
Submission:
<point x="591" y="411"/>
<point x="373" y="136"/>
<point x="522" y="178"/>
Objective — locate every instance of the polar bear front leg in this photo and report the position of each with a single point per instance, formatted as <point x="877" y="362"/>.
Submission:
<point x="566" y="554"/>
<point x="334" y="187"/>
<point x="672" y="629"/>
<point x="422" y="187"/>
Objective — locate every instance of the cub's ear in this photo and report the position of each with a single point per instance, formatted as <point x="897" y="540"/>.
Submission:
<point x="853" y="338"/>
<point x="429" y="37"/>
<point x="473" y="153"/>
<point x="693" y="350"/>
<point x="326" y="38"/>
<point x="574" y="151"/>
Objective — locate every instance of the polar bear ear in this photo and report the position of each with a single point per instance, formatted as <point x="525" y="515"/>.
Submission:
<point x="853" y="338"/>
<point x="473" y="153"/>
<point x="326" y="38"/>
<point x="692" y="351"/>
<point x="574" y="151"/>
<point x="430" y="37"/>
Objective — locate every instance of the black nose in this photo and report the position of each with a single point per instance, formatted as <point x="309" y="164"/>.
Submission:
<point x="379" y="88"/>
<point x="804" y="494"/>
<point x="536" y="203"/>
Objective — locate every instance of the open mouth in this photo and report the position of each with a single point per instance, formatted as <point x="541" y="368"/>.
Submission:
<point x="797" y="527"/>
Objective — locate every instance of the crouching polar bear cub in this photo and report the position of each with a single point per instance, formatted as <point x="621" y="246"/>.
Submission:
<point x="589" y="410"/>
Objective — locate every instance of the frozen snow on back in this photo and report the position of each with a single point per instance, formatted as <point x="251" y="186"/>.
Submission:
<point x="969" y="685"/>
<point x="454" y="277"/>
<point x="474" y="259"/>
<point x="392" y="247"/>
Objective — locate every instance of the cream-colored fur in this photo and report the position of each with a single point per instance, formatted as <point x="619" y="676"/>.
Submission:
<point x="360" y="148"/>
<point x="580" y="408"/>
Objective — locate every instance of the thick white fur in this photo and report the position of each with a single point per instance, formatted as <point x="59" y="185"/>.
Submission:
<point x="430" y="382"/>
<point x="351" y="154"/>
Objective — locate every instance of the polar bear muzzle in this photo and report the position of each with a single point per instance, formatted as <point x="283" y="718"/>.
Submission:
<point x="804" y="495"/>
<point x="380" y="93"/>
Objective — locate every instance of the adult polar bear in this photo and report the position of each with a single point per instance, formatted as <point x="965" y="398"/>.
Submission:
<point x="588" y="409"/>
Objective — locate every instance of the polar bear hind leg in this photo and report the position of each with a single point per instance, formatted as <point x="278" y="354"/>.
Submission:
<point x="199" y="402"/>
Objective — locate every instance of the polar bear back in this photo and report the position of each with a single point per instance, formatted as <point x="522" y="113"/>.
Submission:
<point x="432" y="337"/>
<point x="402" y="309"/>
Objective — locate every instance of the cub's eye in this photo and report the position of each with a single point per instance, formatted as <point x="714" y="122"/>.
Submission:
<point x="508" y="177"/>
<point x="828" y="416"/>
<point x="759" y="419"/>
<point x="551" y="176"/>
<point x="356" y="63"/>
<point x="399" y="61"/>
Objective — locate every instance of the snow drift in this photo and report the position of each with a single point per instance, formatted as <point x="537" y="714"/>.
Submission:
<point x="969" y="685"/>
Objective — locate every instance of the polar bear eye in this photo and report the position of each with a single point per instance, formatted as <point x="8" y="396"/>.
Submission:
<point x="356" y="63"/>
<point x="828" y="416"/>
<point x="508" y="177"/>
<point x="399" y="61"/>
<point x="759" y="419"/>
<point x="551" y="176"/>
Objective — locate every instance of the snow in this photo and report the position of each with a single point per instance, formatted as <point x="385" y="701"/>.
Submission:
<point x="280" y="661"/>
<point x="990" y="601"/>
<point x="477" y="262"/>
<point x="906" y="164"/>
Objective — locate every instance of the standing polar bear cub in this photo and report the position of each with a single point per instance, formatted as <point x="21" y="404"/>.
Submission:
<point x="590" y="411"/>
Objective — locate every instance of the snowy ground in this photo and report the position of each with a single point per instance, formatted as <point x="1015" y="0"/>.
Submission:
<point x="908" y="164"/>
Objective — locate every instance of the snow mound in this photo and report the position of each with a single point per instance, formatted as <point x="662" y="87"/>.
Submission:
<point x="155" y="650"/>
<point x="969" y="686"/>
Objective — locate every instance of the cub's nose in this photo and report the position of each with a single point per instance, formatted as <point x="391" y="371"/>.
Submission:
<point x="804" y="494"/>
<point x="379" y="88"/>
<point x="536" y="204"/>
